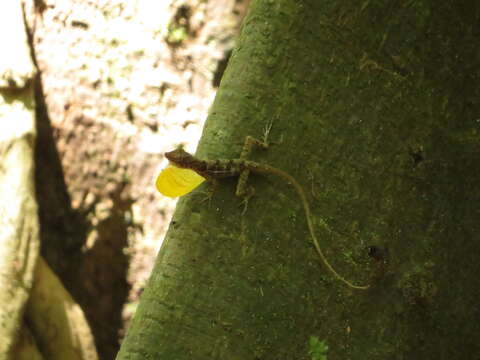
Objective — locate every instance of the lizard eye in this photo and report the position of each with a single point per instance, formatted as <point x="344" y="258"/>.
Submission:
<point x="174" y="181"/>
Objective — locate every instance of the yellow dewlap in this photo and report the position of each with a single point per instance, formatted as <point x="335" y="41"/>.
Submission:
<point x="174" y="181"/>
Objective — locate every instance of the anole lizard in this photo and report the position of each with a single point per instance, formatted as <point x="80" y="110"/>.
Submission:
<point x="213" y="170"/>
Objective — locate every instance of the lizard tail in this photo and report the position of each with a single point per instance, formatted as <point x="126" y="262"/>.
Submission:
<point x="306" y="207"/>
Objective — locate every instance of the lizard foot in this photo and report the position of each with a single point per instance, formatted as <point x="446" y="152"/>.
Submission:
<point x="246" y="196"/>
<point x="207" y="195"/>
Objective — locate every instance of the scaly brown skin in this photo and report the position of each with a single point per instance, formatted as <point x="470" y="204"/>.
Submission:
<point x="213" y="170"/>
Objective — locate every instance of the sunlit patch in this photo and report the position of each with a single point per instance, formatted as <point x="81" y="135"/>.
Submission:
<point x="174" y="182"/>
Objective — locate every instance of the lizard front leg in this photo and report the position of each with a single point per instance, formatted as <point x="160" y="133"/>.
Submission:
<point x="210" y="191"/>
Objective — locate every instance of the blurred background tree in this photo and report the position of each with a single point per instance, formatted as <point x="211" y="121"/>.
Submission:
<point x="119" y="84"/>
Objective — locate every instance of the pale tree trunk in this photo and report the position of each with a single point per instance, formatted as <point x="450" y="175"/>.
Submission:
<point x="19" y="241"/>
<point x="57" y="323"/>
<point x="375" y="111"/>
<point x="38" y="318"/>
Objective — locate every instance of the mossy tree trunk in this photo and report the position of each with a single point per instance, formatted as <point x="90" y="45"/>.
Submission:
<point x="376" y="112"/>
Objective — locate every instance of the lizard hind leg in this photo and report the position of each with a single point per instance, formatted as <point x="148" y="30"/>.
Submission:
<point x="243" y="190"/>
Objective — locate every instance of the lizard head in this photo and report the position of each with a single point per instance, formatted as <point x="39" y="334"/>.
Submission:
<point x="180" y="176"/>
<point x="180" y="158"/>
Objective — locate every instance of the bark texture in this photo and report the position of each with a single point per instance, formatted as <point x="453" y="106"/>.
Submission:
<point x="19" y="241"/>
<point x="35" y="309"/>
<point x="58" y="323"/>
<point x="375" y="110"/>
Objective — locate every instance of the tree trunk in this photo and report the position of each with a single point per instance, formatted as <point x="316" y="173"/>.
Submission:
<point x="37" y="316"/>
<point x="375" y="111"/>
<point x="19" y="242"/>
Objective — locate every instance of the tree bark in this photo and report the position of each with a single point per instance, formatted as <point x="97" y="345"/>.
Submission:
<point x="19" y="242"/>
<point x="375" y="110"/>
<point x="35" y="309"/>
<point x="58" y="323"/>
